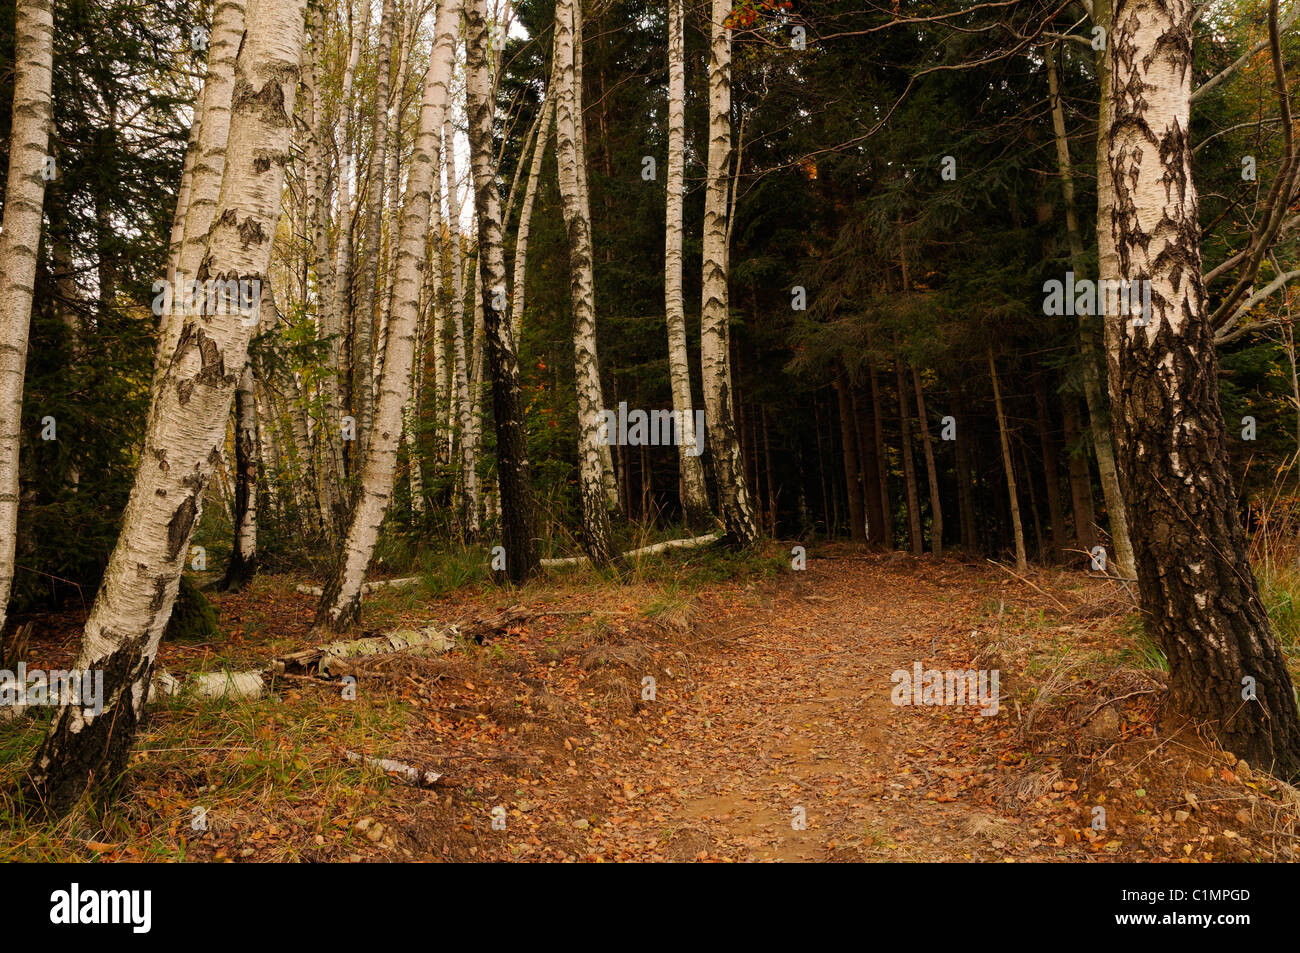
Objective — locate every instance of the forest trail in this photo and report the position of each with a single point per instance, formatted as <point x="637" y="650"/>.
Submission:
<point x="793" y="716"/>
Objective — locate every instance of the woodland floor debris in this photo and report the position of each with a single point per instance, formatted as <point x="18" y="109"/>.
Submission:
<point x="782" y="745"/>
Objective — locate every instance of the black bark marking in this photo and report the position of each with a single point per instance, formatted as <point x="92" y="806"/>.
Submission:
<point x="180" y="525"/>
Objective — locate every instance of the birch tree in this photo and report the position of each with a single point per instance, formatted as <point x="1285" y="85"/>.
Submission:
<point x="694" y="491"/>
<point x="363" y="398"/>
<point x="596" y="534"/>
<point x="1198" y="592"/>
<point x="518" y="287"/>
<point x="213" y="117"/>
<point x="460" y="352"/>
<point x="20" y="237"/>
<point x="243" y="557"/>
<point x="340" y="605"/>
<point x="715" y="321"/>
<point x="185" y="432"/>
<point x="513" y="471"/>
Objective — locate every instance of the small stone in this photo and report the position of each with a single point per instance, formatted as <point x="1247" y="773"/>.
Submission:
<point x="375" y="833"/>
<point x="362" y="824"/>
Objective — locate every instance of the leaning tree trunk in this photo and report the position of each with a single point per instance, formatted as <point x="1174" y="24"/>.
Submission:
<point x="340" y="605"/>
<point x="695" y="493"/>
<point x="517" y="503"/>
<point x="596" y="534"/>
<point x="243" y="556"/>
<point x="186" y="430"/>
<point x="20" y="237"/>
<point x="715" y="325"/>
<point x="1017" y="528"/>
<point x="1198" y="592"/>
<point x="213" y="117"/>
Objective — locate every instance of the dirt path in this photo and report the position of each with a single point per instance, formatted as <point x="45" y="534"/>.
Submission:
<point x="784" y="745"/>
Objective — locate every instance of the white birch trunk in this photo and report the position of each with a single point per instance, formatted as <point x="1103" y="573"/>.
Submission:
<point x="513" y="472"/>
<point x="213" y="116"/>
<point x="187" y="424"/>
<point x="596" y="535"/>
<point x="20" y="237"/>
<point x="363" y="357"/>
<point x="695" y="494"/>
<point x="464" y="405"/>
<point x="526" y="217"/>
<point x="340" y="605"/>
<point x="715" y="326"/>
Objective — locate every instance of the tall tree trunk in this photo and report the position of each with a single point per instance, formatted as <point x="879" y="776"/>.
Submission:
<point x="882" y="471"/>
<point x="695" y="493"/>
<point x="526" y="217"/>
<point x="1085" y="530"/>
<point x="1051" y="468"/>
<point x="20" y="237"/>
<point x="715" y="319"/>
<point x="343" y="283"/>
<point x="363" y="395"/>
<point x="243" y="555"/>
<point x="460" y="350"/>
<point x="869" y="465"/>
<point x="596" y="533"/>
<point x="931" y="471"/>
<point x="186" y="429"/>
<point x="213" y="117"/>
<point x="852" y="471"/>
<point x="909" y="463"/>
<point x="513" y="472"/>
<point x="1018" y="530"/>
<point x="965" y="482"/>
<point x="1090" y="325"/>
<point x="340" y="605"/>
<point x="1198" y="592"/>
<point x="329" y="321"/>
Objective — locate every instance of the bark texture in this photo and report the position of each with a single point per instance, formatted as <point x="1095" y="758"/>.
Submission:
<point x="20" y="238"/>
<point x="715" y="320"/>
<point x="1198" y="592"/>
<point x="513" y="472"/>
<point x="340" y="605"/>
<point x="186" y="429"/>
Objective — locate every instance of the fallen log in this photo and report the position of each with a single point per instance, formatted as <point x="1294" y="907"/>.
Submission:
<point x="228" y="685"/>
<point x="366" y="588"/>
<point x="643" y="551"/>
<point x="396" y="769"/>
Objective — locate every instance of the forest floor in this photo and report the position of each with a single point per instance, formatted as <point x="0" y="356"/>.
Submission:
<point x="770" y="735"/>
